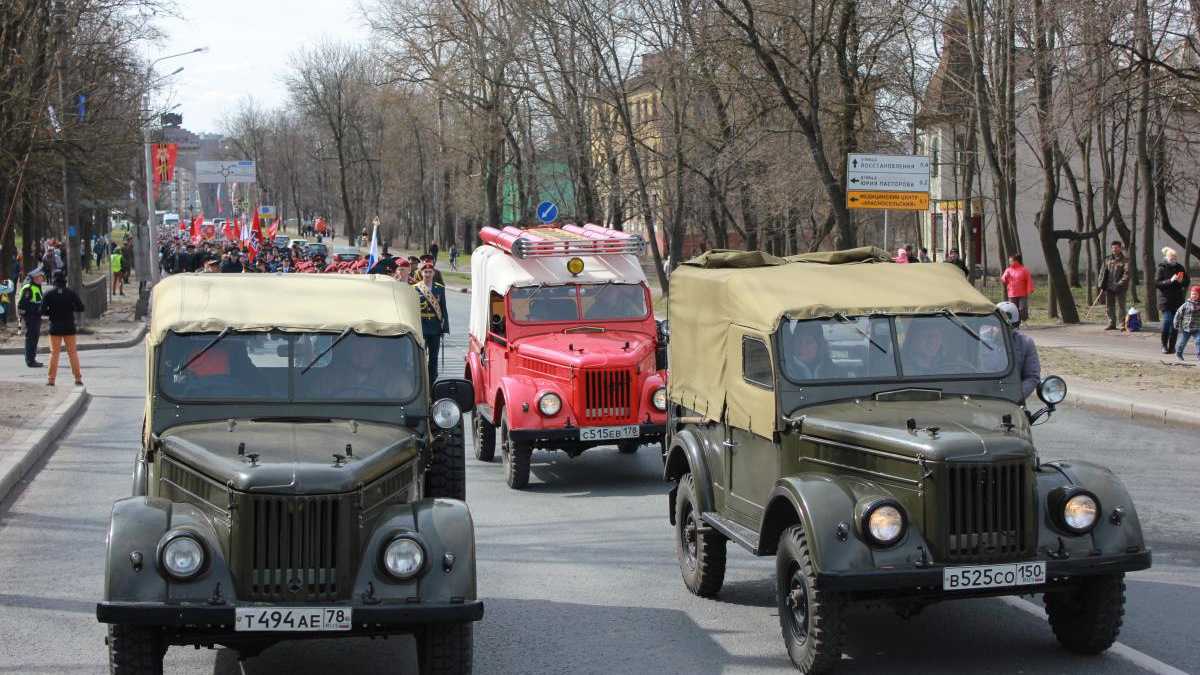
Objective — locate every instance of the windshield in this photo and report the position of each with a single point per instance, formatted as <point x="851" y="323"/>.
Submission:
<point x="884" y="347"/>
<point x="575" y="302"/>
<point x="266" y="367"/>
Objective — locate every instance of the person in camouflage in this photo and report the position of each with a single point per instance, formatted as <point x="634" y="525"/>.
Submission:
<point x="1113" y="283"/>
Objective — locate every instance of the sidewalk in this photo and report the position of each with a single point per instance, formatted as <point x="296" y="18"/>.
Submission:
<point x="1121" y="373"/>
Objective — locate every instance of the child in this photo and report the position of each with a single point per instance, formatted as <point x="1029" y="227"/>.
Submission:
<point x="1187" y="322"/>
<point x="1133" y="320"/>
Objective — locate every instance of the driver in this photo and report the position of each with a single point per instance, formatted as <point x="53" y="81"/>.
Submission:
<point x="922" y="349"/>
<point x="359" y="370"/>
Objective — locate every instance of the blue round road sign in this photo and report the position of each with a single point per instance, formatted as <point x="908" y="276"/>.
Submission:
<point x="547" y="212"/>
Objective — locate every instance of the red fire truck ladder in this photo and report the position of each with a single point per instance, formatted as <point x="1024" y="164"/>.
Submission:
<point x="569" y="240"/>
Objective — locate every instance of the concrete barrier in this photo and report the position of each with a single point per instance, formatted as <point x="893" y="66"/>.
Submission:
<point x="95" y="298"/>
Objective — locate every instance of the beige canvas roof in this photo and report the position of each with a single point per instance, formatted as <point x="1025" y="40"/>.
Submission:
<point x="722" y="296"/>
<point x="195" y="303"/>
<point x="494" y="271"/>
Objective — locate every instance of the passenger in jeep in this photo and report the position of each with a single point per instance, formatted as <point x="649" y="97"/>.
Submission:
<point x="809" y="357"/>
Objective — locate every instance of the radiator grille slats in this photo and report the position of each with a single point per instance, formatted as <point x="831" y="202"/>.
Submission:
<point x="989" y="514"/>
<point x="296" y="548"/>
<point x="607" y="396"/>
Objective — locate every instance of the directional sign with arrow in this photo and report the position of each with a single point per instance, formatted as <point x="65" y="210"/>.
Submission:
<point x="887" y="181"/>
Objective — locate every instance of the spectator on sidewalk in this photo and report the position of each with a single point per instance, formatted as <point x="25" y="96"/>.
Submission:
<point x="953" y="259"/>
<point x="1113" y="283"/>
<point x="1170" y="279"/>
<point x="453" y="257"/>
<point x="116" y="261"/>
<point x="30" y="307"/>
<point x="924" y="255"/>
<point x="901" y="256"/>
<point x="6" y="289"/>
<point x="60" y="305"/>
<point x="1187" y="322"/>
<point x="1018" y="284"/>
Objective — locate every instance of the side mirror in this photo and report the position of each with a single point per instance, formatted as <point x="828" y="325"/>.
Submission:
<point x="456" y="389"/>
<point x="664" y="329"/>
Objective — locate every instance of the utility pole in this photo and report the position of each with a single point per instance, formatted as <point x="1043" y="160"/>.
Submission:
<point x="70" y="210"/>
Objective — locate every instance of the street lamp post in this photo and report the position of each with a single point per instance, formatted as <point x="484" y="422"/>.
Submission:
<point x="147" y="262"/>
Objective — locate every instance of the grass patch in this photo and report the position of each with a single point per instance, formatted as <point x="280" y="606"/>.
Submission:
<point x="1176" y="376"/>
<point x="1039" y="302"/>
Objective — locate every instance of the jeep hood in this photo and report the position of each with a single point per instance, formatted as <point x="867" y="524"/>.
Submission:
<point x="968" y="429"/>
<point x="588" y="349"/>
<point x="293" y="457"/>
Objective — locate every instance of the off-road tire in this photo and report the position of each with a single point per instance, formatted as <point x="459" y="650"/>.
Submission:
<point x="700" y="549"/>
<point x="811" y="619"/>
<point x="628" y="447"/>
<point x="485" y="437"/>
<point x="517" y="457"/>
<point x="1087" y="619"/>
<point x="446" y="474"/>
<point x="135" y="650"/>
<point x="445" y="649"/>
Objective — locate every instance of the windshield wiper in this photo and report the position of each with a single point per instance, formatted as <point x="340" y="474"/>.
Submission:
<point x="953" y="318"/>
<point x="326" y="350"/>
<point x="220" y="336"/>
<point x="842" y="318"/>
<point x="536" y="289"/>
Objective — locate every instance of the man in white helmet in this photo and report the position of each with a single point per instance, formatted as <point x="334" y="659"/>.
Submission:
<point x="1025" y="353"/>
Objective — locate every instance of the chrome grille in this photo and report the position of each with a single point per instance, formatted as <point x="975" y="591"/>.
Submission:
<point x="607" y="395"/>
<point x="990" y="512"/>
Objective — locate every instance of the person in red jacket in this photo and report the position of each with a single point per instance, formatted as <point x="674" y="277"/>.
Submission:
<point x="1018" y="284"/>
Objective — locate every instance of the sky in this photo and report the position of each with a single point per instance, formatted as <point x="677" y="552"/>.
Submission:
<point x="250" y="42"/>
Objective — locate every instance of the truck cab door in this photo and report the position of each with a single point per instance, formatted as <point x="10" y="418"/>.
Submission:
<point x="752" y="460"/>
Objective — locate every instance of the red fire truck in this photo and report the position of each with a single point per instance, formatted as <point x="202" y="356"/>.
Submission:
<point x="564" y="348"/>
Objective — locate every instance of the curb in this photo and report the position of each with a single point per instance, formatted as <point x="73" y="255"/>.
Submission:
<point x="1143" y="412"/>
<point x="48" y="430"/>
<point x="135" y="336"/>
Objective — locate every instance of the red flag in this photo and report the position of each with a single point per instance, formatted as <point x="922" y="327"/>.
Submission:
<point x="163" y="157"/>
<point x="255" y="237"/>
<point x="273" y="230"/>
<point x="197" y="232"/>
<point x="229" y="230"/>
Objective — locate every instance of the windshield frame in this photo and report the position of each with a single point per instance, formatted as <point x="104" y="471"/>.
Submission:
<point x="161" y="368"/>
<point x="777" y="340"/>
<point x="578" y="297"/>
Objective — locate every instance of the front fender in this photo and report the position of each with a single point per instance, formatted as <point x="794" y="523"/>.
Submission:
<point x="1107" y="536"/>
<point x="824" y="504"/>
<point x="649" y="385"/>
<point x="474" y="373"/>
<point x="519" y="392"/>
<point x="442" y="526"/>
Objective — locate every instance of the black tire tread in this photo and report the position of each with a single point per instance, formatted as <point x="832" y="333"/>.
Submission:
<point x="628" y="447"/>
<point x="446" y="649"/>
<point x="517" y="459"/>
<point x="134" y="650"/>
<point x="1088" y="620"/>
<point x="485" y="437"/>
<point x="822" y="651"/>
<point x="709" y="576"/>
<point x="446" y="474"/>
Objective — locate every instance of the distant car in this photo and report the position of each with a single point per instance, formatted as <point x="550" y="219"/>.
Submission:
<point x="316" y="248"/>
<point x="281" y="241"/>
<point x="346" y="254"/>
<point x="297" y="243"/>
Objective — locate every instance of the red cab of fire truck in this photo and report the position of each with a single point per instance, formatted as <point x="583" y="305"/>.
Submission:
<point x="565" y="353"/>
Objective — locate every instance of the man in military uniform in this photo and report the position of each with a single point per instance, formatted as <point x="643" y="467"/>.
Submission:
<point x="435" y="320"/>
<point x="29" y="304"/>
<point x="1113" y="283"/>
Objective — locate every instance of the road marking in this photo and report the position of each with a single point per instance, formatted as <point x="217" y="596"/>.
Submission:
<point x="1139" y="659"/>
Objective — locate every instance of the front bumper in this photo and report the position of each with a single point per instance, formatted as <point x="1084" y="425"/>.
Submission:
<point x="364" y="618"/>
<point x="561" y="437"/>
<point x="928" y="580"/>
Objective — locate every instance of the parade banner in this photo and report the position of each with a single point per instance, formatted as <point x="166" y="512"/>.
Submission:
<point x="163" y="156"/>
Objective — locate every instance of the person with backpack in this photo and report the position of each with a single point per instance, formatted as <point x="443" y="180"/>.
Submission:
<point x="60" y="304"/>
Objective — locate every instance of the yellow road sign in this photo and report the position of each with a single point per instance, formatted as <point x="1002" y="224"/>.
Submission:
<point x="896" y="201"/>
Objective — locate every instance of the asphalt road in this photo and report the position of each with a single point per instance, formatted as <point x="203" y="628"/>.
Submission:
<point x="579" y="572"/>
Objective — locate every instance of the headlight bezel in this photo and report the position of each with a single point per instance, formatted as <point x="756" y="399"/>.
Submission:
<point x="873" y="508"/>
<point x="420" y="547"/>
<point x="549" y="396"/>
<point x="173" y="538"/>
<point x="661" y="407"/>
<point x="1058" y="501"/>
<point x="442" y="403"/>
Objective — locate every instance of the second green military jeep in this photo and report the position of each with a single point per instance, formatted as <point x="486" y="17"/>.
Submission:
<point x="864" y="423"/>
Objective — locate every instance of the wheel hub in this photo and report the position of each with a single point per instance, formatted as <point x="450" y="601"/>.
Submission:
<point x="796" y="601"/>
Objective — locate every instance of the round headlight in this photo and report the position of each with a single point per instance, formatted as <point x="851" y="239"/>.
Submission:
<point x="403" y="558"/>
<point x="549" y="404"/>
<point x="885" y="523"/>
<point x="183" y="557"/>
<point x="1052" y="390"/>
<point x="446" y="413"/>
<point x="1080" y="512"/>
<point x="660" y="398"/>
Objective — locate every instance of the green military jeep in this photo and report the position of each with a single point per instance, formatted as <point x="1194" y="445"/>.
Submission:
<point x="864" y="423"/>
<point x="298" y="476"/>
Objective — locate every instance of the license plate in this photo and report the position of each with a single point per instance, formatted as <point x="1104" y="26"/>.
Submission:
<point x="993" y="576"/>
<point x="609" y="433"/>
<point x="292" y="619"/>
